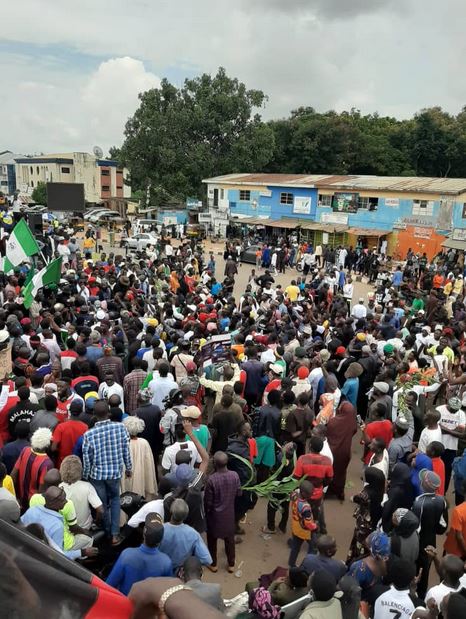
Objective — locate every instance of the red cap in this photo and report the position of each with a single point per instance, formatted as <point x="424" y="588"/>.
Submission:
<point x="340" y="350"/>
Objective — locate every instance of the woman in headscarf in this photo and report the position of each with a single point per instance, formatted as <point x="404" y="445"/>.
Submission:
<point x="404" y="536"/>
<point x="400" y="494"/>
<point x="143" y="480"/>
<point x="329" y="400"/>
<point x="367" y="513"/>
<point x="421" y="461"/>
<point x="340" y="432"/>
<point x="369" y="572"/>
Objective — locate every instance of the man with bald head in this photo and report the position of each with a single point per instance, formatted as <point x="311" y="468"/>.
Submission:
<point x="324" y="559"/>
<point x="49" y="517"/>
<point x="221" y="490"/>
<point x="74" y="537"/>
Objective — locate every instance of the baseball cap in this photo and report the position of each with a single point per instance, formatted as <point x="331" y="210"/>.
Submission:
<point x="303" y="372"/>
<point x="184" y="474"/>
<point x="191" y="412"/>
<point x="402" y="423"/>
<point x="276" y="369"/>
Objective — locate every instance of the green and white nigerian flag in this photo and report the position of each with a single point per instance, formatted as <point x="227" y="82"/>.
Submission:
<point x="19" y="247"/>
<point x="50" y="274"/>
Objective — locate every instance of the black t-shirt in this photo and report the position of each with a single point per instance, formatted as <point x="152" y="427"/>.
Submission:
<point x="23" y="411"/>
<point x="224" y="424"/>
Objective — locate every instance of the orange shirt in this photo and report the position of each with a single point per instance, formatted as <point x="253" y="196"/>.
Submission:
<point x="437" y="281"/>
<point x="458" y="523"/>
<point x="439" y="467"/>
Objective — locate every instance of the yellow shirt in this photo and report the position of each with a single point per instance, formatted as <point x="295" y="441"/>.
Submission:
<point x="9" y="485"/>
<point x="89" y="243"/>
<point x="292" y="292"/>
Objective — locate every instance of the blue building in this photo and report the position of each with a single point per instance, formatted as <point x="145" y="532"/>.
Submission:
<point x="407" y="212"/>
<point x="7" y="173"/>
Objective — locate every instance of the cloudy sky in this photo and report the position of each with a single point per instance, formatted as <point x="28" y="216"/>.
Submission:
<point x="71" y="71"/>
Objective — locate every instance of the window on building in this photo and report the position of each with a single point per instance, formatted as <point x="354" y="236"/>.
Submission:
<point x="4" y="183"/>
<point x="105" y="187"/>
<point x="32" y="170"/>
<point x="37" y="169"/>
<point x="119" y="186"/>
<point x="325" y="200"/>
<point x="222" y="194"/>
<point x="367" y="203"/>
<point x="286" y="198"/>
<point x="65" y="170"/>
<point x="463" y="215"/>
<point x="105" y="172"/>
<point x="245" y="195"/>
<point x="32" y="183"/>
<point x="423" y="207"/>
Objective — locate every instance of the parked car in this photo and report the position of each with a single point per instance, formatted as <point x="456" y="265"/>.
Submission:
<point x="105" y="216"/>
<point x="249" y="254"/>
<point x="95" y="212"/>
<point x="138" y="242"/>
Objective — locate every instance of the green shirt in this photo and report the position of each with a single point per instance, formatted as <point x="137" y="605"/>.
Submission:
<point x="202" y="435"/>
<point x="69" y="519"/>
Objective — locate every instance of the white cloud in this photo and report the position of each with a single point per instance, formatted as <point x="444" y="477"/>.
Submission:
<point x="390" y="56"/>
<point x="72" y="112"/>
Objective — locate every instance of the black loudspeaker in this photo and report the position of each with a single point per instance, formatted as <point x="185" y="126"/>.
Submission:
<point x="35" y="223"/>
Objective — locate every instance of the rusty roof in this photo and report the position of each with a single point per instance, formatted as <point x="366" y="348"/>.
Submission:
<point x="403" y="184"/>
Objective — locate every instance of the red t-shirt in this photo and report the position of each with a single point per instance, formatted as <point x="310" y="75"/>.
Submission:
<point x="379" y="429"/>
<point x="65" y="435"/>
<point x="4" y="417"/>
<point x="316" y="468"/>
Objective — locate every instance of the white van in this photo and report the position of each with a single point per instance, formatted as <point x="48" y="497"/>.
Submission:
<point x="144" y="225"/>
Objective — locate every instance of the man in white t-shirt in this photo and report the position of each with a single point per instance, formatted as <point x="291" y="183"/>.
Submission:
<point x="453" y="426"/>
<point x="452" y="568"/>
<point x="397" y="602"/>
<point x="359" y="310"/>
<point x="109" y="387"/>
<point x="152" y="507"/>
<point x="80" y="492"/>
<point x="169" y="455"/>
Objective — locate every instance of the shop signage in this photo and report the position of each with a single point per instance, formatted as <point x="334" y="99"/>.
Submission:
<point x="394" y="202"/>
<point x="459" y="234"/>
<point x="334" y="218"/>
<point x="422" y="233"/>
<point x="302" y="205"/>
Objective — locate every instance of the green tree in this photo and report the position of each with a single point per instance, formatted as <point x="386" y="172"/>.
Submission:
<point x="39" y="193"/>
<point x="178" y="136"/>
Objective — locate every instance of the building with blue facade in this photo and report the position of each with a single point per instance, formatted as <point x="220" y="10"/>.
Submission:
<point x="7" y="173"/>
<point x="423" y="214"/>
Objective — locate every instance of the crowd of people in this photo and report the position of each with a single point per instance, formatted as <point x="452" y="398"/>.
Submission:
<point x="151" y="402"/>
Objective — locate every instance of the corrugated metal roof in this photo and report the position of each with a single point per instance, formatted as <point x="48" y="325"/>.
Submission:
<point x="453" y="244"/>
<point x="418" y="184"/>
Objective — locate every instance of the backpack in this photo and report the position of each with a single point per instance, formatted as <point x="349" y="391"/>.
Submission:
<point x="171" y="417"/>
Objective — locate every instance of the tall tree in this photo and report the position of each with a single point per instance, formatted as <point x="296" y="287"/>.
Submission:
<point x="178" y="136"/>
<point x="39" y="193"/>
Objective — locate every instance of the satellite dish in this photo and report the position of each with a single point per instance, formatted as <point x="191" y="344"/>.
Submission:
<point x="98" y="152"/>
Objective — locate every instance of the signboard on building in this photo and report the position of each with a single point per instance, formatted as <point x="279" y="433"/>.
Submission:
<point x="334" y="218"/>
<point x="169" y="220"/>
<point x="399" y="225"/>
<point x="193" y="203"/>
<point x="422" y="233"/>
<point x="459" y="234"/>
<point x="394" y="202"/>
<point x="204" y="218"/>
<point x="302" y="205"/>
<point x="345" y="202"/>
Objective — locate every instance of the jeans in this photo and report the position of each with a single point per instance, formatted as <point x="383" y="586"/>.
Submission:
<point x="295" y="547"/>
<point x="109" y="493"/>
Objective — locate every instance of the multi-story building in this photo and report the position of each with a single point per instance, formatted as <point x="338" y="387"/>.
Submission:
<point x="104" y="180"/>
<point x="7" y="172"/>
<point x="409" y="212"/>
